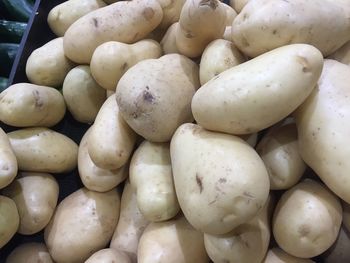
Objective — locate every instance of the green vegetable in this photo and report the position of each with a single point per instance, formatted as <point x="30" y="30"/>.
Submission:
<point x="11" y="31"/>
<point x="18" y="9"/>
<point x="3" y="83"/>
<point x="8" y="53"/>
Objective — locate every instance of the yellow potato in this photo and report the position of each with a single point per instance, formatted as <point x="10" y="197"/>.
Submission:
<point x="48" y="65"/>
<point x="9" y="219"/>
<point x="244" y="99"/>
<point x="155" y="96"/>
<point x="218" y="173"/>
<point x="62" y="16"/>
<point x="277" y="255"/>
<point x="35" y="195"/>
<point x="307" y="219"/>
<point x="342" y="54"/>
<point x="112" y="59"/>
<point x="110" y="140"/>
<point x="109" y="255"/>
<point x="130" y="226"/>
<point x="124" y="21"/>
<point x="27" y="105"/>
<point x="83" y="96"/>
<point x="43" y="150"/>
<point x="93" y="177"/>
<point x="173" y="241"/>
<point x="30" y="253"/>
<point x="339" y="252"/>
<point x="168" y="42"/>
<point x="151" y="176"/>
<point x="82" y="224"/>
<point x="8" y="161"/>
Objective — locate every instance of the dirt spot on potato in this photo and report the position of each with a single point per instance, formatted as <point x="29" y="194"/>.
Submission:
<point x="124" y="66"/>
<point x="148" y="13"/>
<point x="148" y="96"/>
<point x="189" y="34"/>
<point x="213" y="4"/>
<point x="38" y="101"/>
<point x="304" y="230"/>
<point x="245" y="42"/>
<point x="199" y="182"/>
<point x="222" y="180"/>
<point x="95" y="21"/>
<point x="5" y="167"/>
<point x="304" y="63"/>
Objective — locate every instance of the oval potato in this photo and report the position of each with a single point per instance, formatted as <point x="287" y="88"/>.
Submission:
<point x="109" y="255"/>
<point x="9" y="219"/>
<point x="28" y="253"/>
<point x="8" y="161"/>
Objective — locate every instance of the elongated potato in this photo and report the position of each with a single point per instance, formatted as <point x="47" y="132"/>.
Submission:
<point x="27" y="105"/>
<point x="323" y="128"/>
<point x="109" y="255"/>
<point x="173" y="241"/>
<point x="9" y="219"/>
<point x="339" y="252"/>
<point x="277" y="255"/>
<point x="62" y="16"/>
<point x="307" y="219"/>
<point x="217" y="57"/>
<point x="112" y="59"/>
<point x="84" y="97"/>
<point x="155" y="90"/>
<point x="280" y="152"/>
<point x="151" y="176"/>
<point x="35" y="195"/>
<point x="244" y="99"/>
<point x="43" y="150"/>
<point x="131" y="224"/>
<point x="171" y="12"/>
<point x="30" y="252"/>
<point x="168" y="42"/>
<point x="218" y="173"/>
<point x="8" y="161"/>
<point x="124" y="21"/>
<point x="247" y="243"/>
<point x="83" y="224"/>
<point x="110" y="140"/>
<point x="342" y="54"/>
<point x="201" y="21"/>
<point x="93" y="177"/>
<point x="48" y="65"/>
<point x="290" y="22"/>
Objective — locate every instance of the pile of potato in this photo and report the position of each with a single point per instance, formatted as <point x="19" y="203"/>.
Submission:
<point x="200" y="111"/>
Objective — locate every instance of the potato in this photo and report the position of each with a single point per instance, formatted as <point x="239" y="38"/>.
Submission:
<point x="280" y="152"/>
<point x="339" y="252"/>
<point x="84" y="97"/>
<point x="30" y="253"/>
<point x="112" y="59"/>
<point x="173" y="241"/>
<point x="230" y="14"/>
<point x="217" y="57"/>
<point x="307" y="219"/>
<point x="8" y="161"/>
<point x="323" y="128"/>
<point x="155" y="96"/>
<point x="82" y="224"/>
<point x="93" y="177"/>
<point x="168" y="42"/>
<point x="130" y="226"/>
<point x="43" y="150"/>
<point x="151" y="176"/>
<point x="124" y="21"/>
<point x="342" y="54"/>
<point x="238" y="4"/>
<point x="244" y="99"/>
<point x="218" y="173"/>
<point x="246" y="243"/>
<point x="200" y="22"/>
<point x="111" y="140"/>
<point x="171" y="12"/>
<point x="62" y="16"/>
<point x="290" y="22"/>
<point x="277" y="255"/>
<point x="9" y="219"/>
<point x="35" y="195"/>
<point x="27" y="105"/>
<point x="48" y="65"/>
<point x="227" y="33"/>
<point x="109" y="255"/>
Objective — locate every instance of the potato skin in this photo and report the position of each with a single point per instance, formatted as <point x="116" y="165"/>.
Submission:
<point x="290" y="22"/>
<point x="82" y="224"/>
<point x="238" y="4"/>
<point x="9" y="219"/>
<point x="30" y="252"/>
<point x="43" y="150"/>
<point x="155" y="90"/>
<point x="277" y="255"/>
<point x="307" y="219"/>
<point x="168" y="42"/>
<point x="109" y="255"/>
<point x="171" y="12"/>
<point x="323" y="128"/>
<point x="62" y="16"/>
<point x="28" y="105"/>
<point x="48" y="64"/>
<point x="206" y="179"/>
<point x="223" y="105"/>
<point x="124" y="21"/>
<point x="8" y="161"/>
<point x="35" y="195"/>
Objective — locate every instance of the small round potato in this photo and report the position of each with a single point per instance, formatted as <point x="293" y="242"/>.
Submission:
<point x="109" y="255"/>
<point x="30" y="253"/>
<point x="35" y="195"/>
<point x="9" y="219"/>
<point x="83" y="96"/>
<point x="277" y="255"/>
<point x="8" y="161"/>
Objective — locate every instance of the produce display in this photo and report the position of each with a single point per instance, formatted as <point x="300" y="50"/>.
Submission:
<point x="213" y="132"/>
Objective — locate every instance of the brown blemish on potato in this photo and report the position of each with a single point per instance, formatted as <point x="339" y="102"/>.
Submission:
<point x="304" y="63"/>
<point x="189" y="34"/>
<point x="249" y="195"/>
<point x="5" y="167"/>
<point x="148" y="96"/>
<point x="148" y="13"/>
<point x="124" y="66"/>
<point x="213" y="4"/>
<point x="304" y="230"/>
<point x="199" y="182"/>
<point x="95" y="21"/>
<point x="244" y="42"/>
<point x="38" y="101"/>
<point x="245" y="16"/>
<point x="222" y="180"/>
<point x="274" y="32"/>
